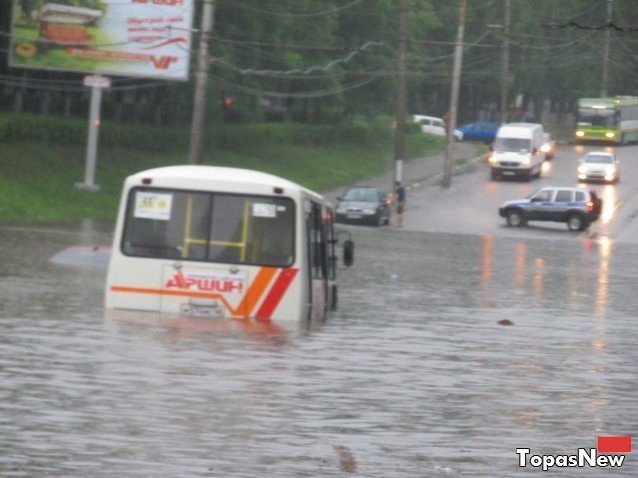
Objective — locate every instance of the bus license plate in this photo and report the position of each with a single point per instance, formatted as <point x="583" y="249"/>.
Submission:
<point x="202" y="311"/>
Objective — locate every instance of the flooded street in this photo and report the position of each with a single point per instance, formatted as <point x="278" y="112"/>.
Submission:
<point x="414" y="376"/>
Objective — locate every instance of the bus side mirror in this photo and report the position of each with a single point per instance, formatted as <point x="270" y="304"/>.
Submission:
<point x="348" y="253"/>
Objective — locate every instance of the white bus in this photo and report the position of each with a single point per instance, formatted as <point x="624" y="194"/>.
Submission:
<point x="205" y="241"/>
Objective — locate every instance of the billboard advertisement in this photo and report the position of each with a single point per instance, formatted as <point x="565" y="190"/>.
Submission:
<point x="146" y="38"/>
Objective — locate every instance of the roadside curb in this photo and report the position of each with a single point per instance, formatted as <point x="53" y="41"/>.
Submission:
<point x="417" y="172"/>
<point x="434" y="178"/>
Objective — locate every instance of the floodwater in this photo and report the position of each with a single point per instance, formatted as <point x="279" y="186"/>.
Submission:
<point x="414" y="376"/>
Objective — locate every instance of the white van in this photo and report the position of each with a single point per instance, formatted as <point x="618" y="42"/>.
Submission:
<point x="517" y="151"/>
<point x="435" y="126"/>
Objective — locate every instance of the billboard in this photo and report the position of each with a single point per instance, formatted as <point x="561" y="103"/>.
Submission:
<point x="147" y="38"/>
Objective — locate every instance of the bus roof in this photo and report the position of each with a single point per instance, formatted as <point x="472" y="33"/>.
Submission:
<point x="210" y="178"/>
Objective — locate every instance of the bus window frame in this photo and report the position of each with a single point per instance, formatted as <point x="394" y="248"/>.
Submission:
<point x="210" y="196"/>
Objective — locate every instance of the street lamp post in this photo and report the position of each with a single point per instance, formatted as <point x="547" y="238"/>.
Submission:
<point x="399" y="131"/>
<point x="454" y="97"/>
<point x="200" y="102"/>
<point x="506" y="63"/>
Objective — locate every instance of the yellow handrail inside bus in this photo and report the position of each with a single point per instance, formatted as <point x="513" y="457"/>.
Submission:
<point x="188" y="240"/>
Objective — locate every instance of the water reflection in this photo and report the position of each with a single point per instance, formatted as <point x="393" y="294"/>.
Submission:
<point x="177" y="326"/>
<point x="532" y="276"/>
<point x="609" y="196"/>
<point x="604" y="270"/>
<point x="412" y="377"/>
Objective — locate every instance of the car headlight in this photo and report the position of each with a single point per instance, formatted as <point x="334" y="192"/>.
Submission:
<point x="526" y="160"/>
<point x="610" y="170"/>
<point x="582" y="169"/>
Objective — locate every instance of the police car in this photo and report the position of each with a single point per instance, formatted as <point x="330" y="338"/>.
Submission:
<point x="577" y="207"/>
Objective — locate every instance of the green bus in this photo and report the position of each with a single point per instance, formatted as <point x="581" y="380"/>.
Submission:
<point x="610" y="120"/>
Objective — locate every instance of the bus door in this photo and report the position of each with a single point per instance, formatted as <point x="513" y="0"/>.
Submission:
<point x="331" y="242"/>
<point x="318" y="262"/>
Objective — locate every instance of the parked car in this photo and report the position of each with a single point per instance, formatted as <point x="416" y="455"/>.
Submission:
<point x="364" y="205"/>
<point x="549" y="147"/>
<point x="435" y="126"/>
<point x="599" y="166"/>
<point x="577" y="207"/>
<point x="481" y="130"/>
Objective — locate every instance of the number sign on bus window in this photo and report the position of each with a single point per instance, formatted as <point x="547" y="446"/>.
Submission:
<point x="264" y="210"/>
<point x="153" y="205"/>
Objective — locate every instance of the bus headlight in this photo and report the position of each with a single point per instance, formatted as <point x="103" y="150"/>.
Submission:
<point x="610" y="134"/>
<point x="580" y="133"/>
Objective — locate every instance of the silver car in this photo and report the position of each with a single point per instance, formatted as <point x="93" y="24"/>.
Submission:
<point x="599" y="166"/>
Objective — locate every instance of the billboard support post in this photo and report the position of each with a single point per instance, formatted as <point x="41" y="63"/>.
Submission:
<point x="96" y="83"/>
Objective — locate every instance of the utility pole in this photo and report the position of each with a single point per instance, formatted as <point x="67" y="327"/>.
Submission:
<point x="200" y="102"/>
<point x="603" y="87"/>
<point x="399" y="132"/>
<point x="505" y="56"/>
<point x="454" y="97"/>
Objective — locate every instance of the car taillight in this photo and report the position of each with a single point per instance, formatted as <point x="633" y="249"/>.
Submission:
<point x="590" y="206"/>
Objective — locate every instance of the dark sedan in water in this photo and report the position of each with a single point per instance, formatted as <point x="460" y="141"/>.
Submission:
<point x="364" y="205"/>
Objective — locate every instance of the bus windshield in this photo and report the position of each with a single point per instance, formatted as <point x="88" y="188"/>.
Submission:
<point x="596" y="117"/>
<point x="210" y="227"/>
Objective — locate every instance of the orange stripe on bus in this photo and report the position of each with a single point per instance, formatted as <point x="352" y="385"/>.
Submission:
<point x="256" y="289"/>
<point x="149" y="290"/>
<point x="178" y="293"/>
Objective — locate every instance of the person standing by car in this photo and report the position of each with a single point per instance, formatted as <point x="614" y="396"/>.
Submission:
<point x="399" y="197"/>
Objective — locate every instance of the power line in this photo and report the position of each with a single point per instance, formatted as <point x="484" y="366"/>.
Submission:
<point x="603" y="26"/>
<point x="271" y="13"/>
<point x="330" y="66"/>
<point x="235" y="87"/>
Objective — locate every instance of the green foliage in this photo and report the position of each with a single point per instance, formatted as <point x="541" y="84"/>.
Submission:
<point x="41" y="159"/>
<point x="328" y="61"/>
<point x="29" y="127"/>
